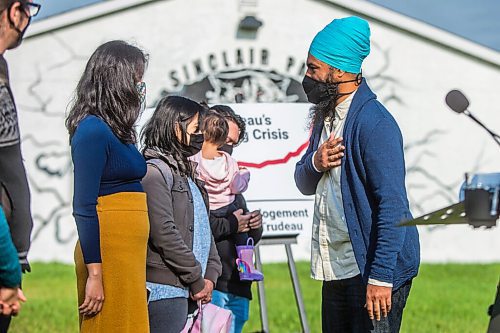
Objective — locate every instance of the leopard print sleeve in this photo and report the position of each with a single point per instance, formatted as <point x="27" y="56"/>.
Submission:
<point x="9" y="129"/>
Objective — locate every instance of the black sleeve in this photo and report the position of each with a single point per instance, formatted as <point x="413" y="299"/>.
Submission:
<point x="12" y="173"/>
<point x="256" y="234"/>
<point x="15" y="184"/>
<point x="223" y="227"/>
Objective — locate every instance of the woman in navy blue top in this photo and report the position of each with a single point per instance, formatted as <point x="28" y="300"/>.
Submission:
<point x="109" y="204"/>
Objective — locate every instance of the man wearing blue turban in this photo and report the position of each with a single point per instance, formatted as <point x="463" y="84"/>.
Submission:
<point x="354" y="166"/>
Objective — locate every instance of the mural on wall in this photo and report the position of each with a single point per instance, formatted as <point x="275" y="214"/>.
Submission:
<point x="49" y="168"/>
<point x="49" y="174"/>
<point x="242" y="75"/>
<point x="246" y="86"/>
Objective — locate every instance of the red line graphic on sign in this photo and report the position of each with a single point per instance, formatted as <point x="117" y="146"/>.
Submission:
<point x="277" y="161"/>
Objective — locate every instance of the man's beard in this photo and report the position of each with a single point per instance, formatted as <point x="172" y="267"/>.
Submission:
<point x="325" y="109"/>
<point x="319" y="112"/>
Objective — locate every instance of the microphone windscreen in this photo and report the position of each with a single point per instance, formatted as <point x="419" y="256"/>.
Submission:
<point x="457" y="101"/>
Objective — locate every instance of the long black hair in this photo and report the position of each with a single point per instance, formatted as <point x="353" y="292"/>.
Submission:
<point x="107" y="89"/>
<point x="160" y="132"/>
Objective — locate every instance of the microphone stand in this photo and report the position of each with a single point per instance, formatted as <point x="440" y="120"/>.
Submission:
<point x="495" y="136"/>
<point x="494" y="309"/>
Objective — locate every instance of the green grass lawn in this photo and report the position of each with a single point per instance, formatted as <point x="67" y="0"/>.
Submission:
<point x="444" y="298"/>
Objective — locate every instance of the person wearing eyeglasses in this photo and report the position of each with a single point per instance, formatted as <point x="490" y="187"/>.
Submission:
<point x="15" y="17"/>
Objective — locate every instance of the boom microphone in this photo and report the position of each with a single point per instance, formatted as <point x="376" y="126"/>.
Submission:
<point x="457" y="101"/>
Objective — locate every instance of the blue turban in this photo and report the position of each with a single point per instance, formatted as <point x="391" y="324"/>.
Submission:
<point x="343" y="44"/>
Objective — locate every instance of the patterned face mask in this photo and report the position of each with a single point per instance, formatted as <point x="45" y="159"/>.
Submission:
<point x="141" y="90"/>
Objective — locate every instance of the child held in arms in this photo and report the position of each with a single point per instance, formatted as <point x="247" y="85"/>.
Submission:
<point x="223" y="180"/>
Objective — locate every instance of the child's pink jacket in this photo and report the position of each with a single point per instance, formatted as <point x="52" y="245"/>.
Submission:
<point x="223" y="179"/>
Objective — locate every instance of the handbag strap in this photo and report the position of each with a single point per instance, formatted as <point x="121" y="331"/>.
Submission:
<point x="198" y="314"/>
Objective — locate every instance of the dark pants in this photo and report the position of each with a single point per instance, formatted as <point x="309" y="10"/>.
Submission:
<point x="343" y="308"/>
<point x="4" y="323"/>
<point x="168" y="315"/>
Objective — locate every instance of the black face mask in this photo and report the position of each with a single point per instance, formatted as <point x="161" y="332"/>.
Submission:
<point x="227" y="149"/>
<point x="318" y="92"/>
<point x="195" y="144"/>
<point x="19" y="31"/>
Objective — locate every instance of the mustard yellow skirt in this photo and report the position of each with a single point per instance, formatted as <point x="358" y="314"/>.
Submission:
<point x="124" y="232"/>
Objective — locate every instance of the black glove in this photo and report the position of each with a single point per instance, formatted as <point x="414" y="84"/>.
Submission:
<point x="26" y="268"/>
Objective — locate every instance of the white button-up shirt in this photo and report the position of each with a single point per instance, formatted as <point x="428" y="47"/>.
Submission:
<point x="332" y="256"/>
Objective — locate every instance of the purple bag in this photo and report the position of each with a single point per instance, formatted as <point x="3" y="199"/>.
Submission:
<point x="209" y="318"/>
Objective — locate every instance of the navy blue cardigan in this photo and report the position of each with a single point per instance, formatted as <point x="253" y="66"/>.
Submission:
<point x="373" y="190"/>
